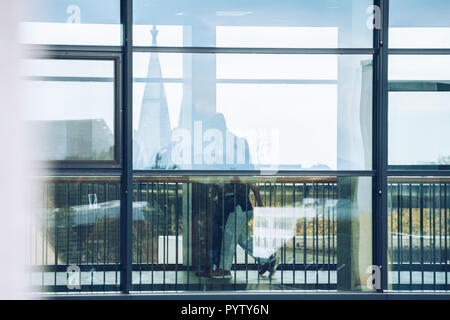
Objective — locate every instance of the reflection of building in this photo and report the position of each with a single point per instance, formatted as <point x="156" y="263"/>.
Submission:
<point x="153" y="132"/>
<point x="89" y="139"/>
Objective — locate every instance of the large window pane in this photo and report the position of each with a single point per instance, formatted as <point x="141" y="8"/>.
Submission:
<point x="280" y="24"/>
<point x="419" y="67"/>
<point x="81" y="22"/>
<point x="418" y="128"/>
<point x="319" y="229"/>
<point x="242" y="112"/>
<point x="75" y="225"/>
<point x="70" y="107"/>
<point x="419" y="109"/>
<point x="419" y="24"/>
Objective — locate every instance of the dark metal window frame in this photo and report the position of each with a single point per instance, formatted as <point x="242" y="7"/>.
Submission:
<point x="380" y="171"/>
<point x="57" y="53"/>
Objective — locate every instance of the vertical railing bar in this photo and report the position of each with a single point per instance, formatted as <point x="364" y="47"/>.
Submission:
<point x="283" y="227"/>
<point x="334" y="222"/>
<point x="323" y="224"/>
<point x="328" y="233"/>
<point x="421" y="231"/>
<point x="147" y="223"/>
<point x="78" y="226"/>
<point x="84" y="256"/>
<point x="166" y="231"/>
<point x="247" y="192"/>
<point x="222" y="244"/>
<point x="153" y="209"/>
<point x="68" y="225"/>
<point x="235" y="235"/>
<point x="189" y="234"/>
<point x="88" y="240"/>
<point x="118" y="253"/>
<point x="433" y="186"/>
<point x="56" y="234"/>
<point x="294" y="244"/>
<point x="399" y="209"/>
<point x="391" y="197"/>
<point x="199" y="248"/>
<point x="410" y="235"/>
<point x="271" y="192"/>
<point x="104" y="236"/>
<point x="440" y="225"/>
<point x="107" y="233"/>
<point x="445" y="227"/>
<point x="316" y="226"/>
<point x="97" y="238"/>
<point x="140" y="222"/>
<point x="92" y="237"/>
<point x="176" y="234"/>
<point x="304" y="232"/>
<point x="45" y="213"/>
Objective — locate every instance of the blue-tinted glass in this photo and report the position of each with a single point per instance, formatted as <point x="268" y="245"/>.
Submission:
<point x="419" y="24"/>
<point x="286" y="23"/>
<point x="81" y="22"/>
<point x="245" y="112"/>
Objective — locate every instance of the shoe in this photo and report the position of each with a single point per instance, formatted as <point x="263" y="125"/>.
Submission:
<point x="270" y="266"/>
<point x="220" y="274"/>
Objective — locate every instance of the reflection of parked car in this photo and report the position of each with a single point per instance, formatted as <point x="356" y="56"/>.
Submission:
<point x="86" y="233"/>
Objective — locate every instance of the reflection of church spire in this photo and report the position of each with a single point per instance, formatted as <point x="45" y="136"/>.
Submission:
<point x="154" y="130"/>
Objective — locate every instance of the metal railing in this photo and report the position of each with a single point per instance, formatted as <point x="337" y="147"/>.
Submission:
<point x="78" y="225"/>
<point x="172" y="236"/>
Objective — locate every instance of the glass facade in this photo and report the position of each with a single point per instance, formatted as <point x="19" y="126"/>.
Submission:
<point x="239" y="146"/>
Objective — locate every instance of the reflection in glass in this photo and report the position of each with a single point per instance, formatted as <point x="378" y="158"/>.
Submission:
<point x="418" y="233"/>
<point x="419" y="105"/>
<point x="419" y="24"/>
<point x="317" y="230"/>
<point x="258" y="112"/>
<point x="70" y="107"/>
<point x="280" y="24"/>
<point x="67" y="22"/>
<point x="76" y="223"/>
<point x="418" y="128"/>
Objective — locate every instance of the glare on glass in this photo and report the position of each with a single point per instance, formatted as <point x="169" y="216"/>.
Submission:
<point x="70" y="107"/>
<point x="252" y="112"/>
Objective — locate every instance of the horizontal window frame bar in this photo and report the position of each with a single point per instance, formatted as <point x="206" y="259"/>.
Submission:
<point x="81" y="173"/>
<point x="424" y="86"/>
<point x="180" y="80"/>
<point x="227" y="50"/>
<point x="48" y="49"/>
<point x="240" y="81"/>
<point x="257" y="173"/>
<point x="70" y="79"/>
<point x="418" y="173"/>
<point x="45" y="49"/>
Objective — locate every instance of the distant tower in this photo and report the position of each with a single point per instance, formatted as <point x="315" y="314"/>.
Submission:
<point x="154" y="131"/>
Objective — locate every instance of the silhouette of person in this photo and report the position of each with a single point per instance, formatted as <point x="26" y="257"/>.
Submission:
<point x="234" y="210"/>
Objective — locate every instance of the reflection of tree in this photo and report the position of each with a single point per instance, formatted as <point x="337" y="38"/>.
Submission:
<point x="444" y="160"/>
<point x="103" y="155"/>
